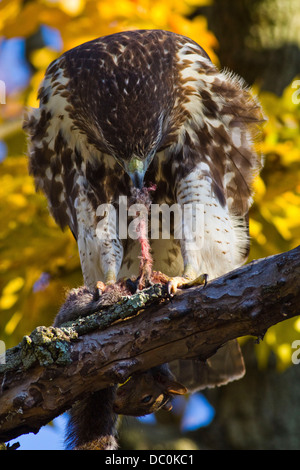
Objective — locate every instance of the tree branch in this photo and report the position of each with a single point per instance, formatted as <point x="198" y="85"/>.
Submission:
<point x="53" y="367"/>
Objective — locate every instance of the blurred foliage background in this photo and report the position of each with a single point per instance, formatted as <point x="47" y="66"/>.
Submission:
<point x="260" y="40"/>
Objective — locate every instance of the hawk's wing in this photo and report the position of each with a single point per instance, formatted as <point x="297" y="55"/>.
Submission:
<point x="223" y="367"/>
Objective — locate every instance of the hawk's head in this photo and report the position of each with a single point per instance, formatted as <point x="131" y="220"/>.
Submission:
<point x="133" y="149"/>
<point x="123" y="96"/>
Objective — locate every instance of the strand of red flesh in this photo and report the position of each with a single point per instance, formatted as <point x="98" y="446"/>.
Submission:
<point x="142" y="196"/>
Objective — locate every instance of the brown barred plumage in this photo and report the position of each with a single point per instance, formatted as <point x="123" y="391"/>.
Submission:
<point x="151" y="100"/>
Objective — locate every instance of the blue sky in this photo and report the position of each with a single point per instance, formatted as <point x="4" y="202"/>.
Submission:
<point x="14" y="69"/>
<point x="49" y="437"/>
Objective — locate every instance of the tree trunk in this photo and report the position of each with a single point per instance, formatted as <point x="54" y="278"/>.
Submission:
<point x="258" y="39"/>
<point x="260" y="412"/>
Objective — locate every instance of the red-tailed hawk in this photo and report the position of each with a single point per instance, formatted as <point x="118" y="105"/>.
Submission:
<point x="139" y="108"/>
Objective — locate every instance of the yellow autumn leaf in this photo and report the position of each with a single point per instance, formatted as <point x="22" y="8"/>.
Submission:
<point x="160" y="14"/>
<point x="72" y="7"/>
<point x="12" y="323"/>
<point x="17" y="199"/>
<point x="284" y="353"/>
<point x="13" y="286"/>
<point x="297" y="325"/>
<point x="9" y="11"/>
<point x="25" y="23"/>
<point x="7" y="301"/>
<point x="259" y="188"/>
<point x="256" y="232"/>
<point x="36" y="80"/>
<point x="270" y="337"/>
<point x="41" y="58"/>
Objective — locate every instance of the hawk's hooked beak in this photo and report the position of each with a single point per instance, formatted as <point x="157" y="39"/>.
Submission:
<point x="136" y="169"/>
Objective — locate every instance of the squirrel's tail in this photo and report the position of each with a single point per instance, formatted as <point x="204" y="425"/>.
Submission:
<point x="92" y="423"/>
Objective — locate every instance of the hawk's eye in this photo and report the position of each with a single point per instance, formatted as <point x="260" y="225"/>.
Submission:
<point x="146" y="399"/>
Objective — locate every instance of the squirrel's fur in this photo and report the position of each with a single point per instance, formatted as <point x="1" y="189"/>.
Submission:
<point x="93" y="420"/>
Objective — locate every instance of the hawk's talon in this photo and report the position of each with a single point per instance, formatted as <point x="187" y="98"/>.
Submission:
<point x="100" y="286"/>
<point x="182" y="282"/>
<point x="104" y="286"/>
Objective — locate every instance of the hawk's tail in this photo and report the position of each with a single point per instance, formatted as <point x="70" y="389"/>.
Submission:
<point x="223" y="367"/>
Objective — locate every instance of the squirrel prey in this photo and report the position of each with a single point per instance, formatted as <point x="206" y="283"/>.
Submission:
<point x="93" y="420"/>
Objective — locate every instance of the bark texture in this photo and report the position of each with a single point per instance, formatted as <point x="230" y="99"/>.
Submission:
<point x="53" y="367"/>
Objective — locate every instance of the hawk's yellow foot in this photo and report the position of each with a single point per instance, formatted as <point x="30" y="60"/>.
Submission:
<point x="185" y="281"/>
<point x="110" y="279"/>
